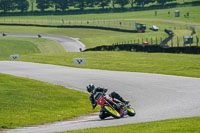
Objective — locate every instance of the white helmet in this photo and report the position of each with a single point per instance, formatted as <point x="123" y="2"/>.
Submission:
<point x="90" y="88"/>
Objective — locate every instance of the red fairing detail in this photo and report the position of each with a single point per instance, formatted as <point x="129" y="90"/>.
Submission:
<point x="101" y="101"/>
<point x="121" y="112"/>
<point x="110" y="100"/>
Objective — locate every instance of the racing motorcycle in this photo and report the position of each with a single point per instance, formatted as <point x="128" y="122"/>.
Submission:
<point x="113" y="107"/>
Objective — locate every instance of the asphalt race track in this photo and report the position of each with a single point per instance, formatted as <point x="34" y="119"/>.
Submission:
<point x="70" y="44"/>
<point x="154" y="96"/>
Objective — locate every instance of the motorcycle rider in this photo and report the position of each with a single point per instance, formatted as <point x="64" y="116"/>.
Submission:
<point x="96" y="92"/>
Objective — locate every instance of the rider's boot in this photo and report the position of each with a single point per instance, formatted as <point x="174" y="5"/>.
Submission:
<point x="126" y="102"/>
<point x="117" y="96"/>
<point x="123" y="101"/>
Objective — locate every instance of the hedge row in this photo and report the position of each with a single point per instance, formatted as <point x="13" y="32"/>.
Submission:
<point x="147" y="48"/>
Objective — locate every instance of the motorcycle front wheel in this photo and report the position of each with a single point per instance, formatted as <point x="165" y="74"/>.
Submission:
<point x="112" y="112"/>
<point x="131" y="112"/>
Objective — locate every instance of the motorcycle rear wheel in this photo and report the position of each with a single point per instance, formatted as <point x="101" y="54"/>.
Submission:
<point x="112" y="112"/>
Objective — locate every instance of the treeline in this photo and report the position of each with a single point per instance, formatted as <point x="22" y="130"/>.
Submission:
<point x="42" y="5"/>
<point x="8" y="5"/>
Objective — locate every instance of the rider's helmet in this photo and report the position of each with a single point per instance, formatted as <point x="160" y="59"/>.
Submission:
<point x="90" y="88"/>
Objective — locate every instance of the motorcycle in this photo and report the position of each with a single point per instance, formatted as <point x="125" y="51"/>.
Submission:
<point x="114" y="108"/>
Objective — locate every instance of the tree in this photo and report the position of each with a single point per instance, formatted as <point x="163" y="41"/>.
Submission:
<point x="102" y="3"/>
<point x="143" y="2"/>
<point x="131" y="2"/>
<point x="32" y="4"/>
<point x="22" y="5"/>
<point x="61" y="4"/>
<point x="82" y="4"/>
<point x="113" y="3"/>
<point x="163" y="2"/>
<point x="7" y="5"/>
<point x="122" y="3"/>
<point x="43" y="4"/>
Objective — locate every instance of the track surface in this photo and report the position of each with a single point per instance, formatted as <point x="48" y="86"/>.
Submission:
<point x="70" y="44"/>
<point x="154" y="96"/>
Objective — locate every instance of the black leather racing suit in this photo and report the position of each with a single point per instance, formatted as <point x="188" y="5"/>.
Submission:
<point x="97" y="92"/>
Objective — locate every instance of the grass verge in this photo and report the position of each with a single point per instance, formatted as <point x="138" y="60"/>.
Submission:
<point x="90" y="37"/>
<point x="184" y="125"/>
<point x="8" y="47"/>
<point x="26" y="102"/>
<point x="27" y="46"/>
<point x="93" y="37"/>
<point x="162" y="63"/>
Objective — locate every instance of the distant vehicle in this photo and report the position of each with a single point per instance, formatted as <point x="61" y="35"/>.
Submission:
<point x="140" y="28"/>
<point x="154" y="28"/>
<point x="188" y="39"/>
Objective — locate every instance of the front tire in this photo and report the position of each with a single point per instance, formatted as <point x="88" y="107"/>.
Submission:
<point x="131" y="112"/>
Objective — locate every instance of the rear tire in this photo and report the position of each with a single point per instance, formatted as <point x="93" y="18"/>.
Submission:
<point x="103" y="115"/>
<point x="112" y="112"/>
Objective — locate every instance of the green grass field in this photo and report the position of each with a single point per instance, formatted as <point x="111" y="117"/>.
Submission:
<point x="26" y="102"/>
<point x="23" y="46"/>
<point x="93" y="37"/>
<point x="8" y="47"/>
<point x="171" y="64"/>
<point x="127" y="19"/>
<point x="90" y="37"/>
<point x="184" y="125"/>
<point x="112" y="19"/>
<point x="41" y="102"/>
